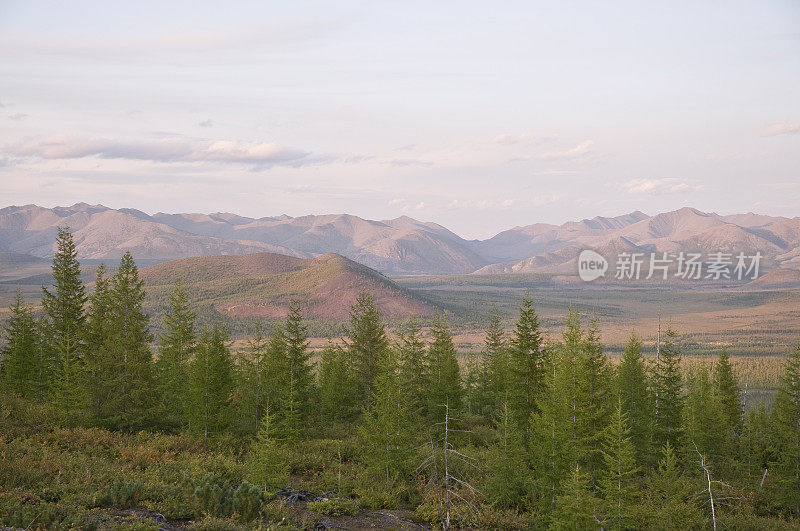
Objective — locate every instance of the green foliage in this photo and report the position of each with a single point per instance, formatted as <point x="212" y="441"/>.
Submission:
<point x="413" y="368"/>
<point x="667" y="389"/>
<point x="637" y="399"/>
<point x="64" y="309"/>
<point x="786" y="418"/>
<point x="366" y="344"/>
<point x="335" y="507"/>
<point x="527" y="366"/>
<point x="444" y="378"/>
<point x="338" y="401"/>
<point x="123" y="494"/>
<point x="617" y="483"/>
<point x="669" y="504"/>
<point x="20" y="360"/>
<point x="248" y="501"/>
<point x="704" y="421"/>
<point x="265" y="460"/>
<point x="508" y="476"/>
<point x="177" y="345"/>
<point x="576" y="507"/>
<point x="211" y="382"/>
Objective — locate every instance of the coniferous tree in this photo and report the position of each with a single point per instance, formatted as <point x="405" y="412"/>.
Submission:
<point x="338" y="402"/>
<point x="413" y="370"/>
<point x="367" y="344"/>
<point x="298" y="377"/>
<point x="576" y="506"/>
<point x="785" y="464"/>
<point x="637" y="400"/>
<point x="211" y="381"/>
<point x="527" y="367"/>
<point x="727" y="390"/>
<point x="129" y="396"/>
<point x="64" y="307"/>
<point x="595" y="409"/>
<point x="444" y="376"/>
<point x="265" y="461"/>
<point x="20" y="360"/>
<point x="755" y="445"/>
<point x="251" y="385"/>
<point x="493" y="383"/>
<point x="669" y="504"/>
<point x="617" y="484"/>
<point x="177" y="346"/>
<point x="507" y="482"/>
<point x="703" y="416"/>
<point x="99" y="331"/>
<point x="667" y="390"/>
<point x="386" y="426"/>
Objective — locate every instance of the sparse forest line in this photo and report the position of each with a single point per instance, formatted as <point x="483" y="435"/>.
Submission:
<point x="97" y="430"/>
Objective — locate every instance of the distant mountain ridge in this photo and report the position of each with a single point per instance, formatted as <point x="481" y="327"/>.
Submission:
<point x="400" y="246"/>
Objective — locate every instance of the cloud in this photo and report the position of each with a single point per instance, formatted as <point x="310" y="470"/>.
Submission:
<point x="17" y="116"/>
<point x="508" y="139"/>
<point x="262" y="155"/>
<point x="407" y="147"/>
<point x="783" y="128"/>
<point x="205" y="123"/>
<point x="660" y="187"/>
<point x="579" y="151"/>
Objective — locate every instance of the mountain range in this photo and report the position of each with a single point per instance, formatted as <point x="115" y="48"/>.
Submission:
<point x="400" y="246"/>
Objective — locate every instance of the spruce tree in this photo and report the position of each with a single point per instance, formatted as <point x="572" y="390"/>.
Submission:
<point x="413" y="371"/>
<point x="617" y="484"/>
<point x="386" y="426"/>
<point x="265" y="461"/>
<point x="444" y="376"/>
<point x="129" y="393"/>
<point x="785" y="465"/>
<point x="637" y="399"/>
<point x="366" y="343"/>
<point x="211" y="381"/>
<point x="20" y="360"/>
<point x="64" y="307"/>
<point x="667" y="389"/>
<point x="177" y="344"/>
<point x="252" y="389"/>
<point x="527" y="367"/>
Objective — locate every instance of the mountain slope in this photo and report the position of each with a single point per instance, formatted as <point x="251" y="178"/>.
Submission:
<point x="263" y="284"/>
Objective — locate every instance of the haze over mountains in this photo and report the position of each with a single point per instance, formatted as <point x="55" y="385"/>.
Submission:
<point x="399" y="246"/>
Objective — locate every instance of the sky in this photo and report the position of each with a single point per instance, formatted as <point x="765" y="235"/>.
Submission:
<point x="480" y="116"/>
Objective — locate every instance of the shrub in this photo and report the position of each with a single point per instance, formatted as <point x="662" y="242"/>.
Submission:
<point x="247" y="501"/>
<point x="122" y="494"/>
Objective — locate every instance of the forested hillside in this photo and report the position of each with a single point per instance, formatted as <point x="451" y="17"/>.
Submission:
<point x="102" y="424"/>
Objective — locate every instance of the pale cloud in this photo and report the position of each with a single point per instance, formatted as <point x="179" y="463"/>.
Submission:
<point x="480" y="204"/>
<point x="581" y="150"/>
<point x="508" y="139"/>
<point x="660" y="186"/>
<point x="206" y="123"/>
<point x="408" y="162"/>
<point x="17" y="116"/>
<point x="783" y="128"/>
<point x="261" y="155"/>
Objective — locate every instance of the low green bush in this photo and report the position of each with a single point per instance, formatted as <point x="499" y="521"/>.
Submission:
<point x="335" y="507"/>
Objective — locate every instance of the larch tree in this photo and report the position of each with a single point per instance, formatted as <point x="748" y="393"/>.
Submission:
<point x="726" y="388"/>
<point x="386" y="425"/>
<point x="618" y="480"/>
<point x="527" y="365"/>
<point x="20" y="360"/>
<point x="413" y="371"/>
<point x="636" y="397"/>
<point x="64" y="308"/>
<point x="494" y="368"/>
<point x="99" y="332"/>
<point x="130" y="394"/>
<point x="366" y="343"/>
<point x="785" y="465"/>
<point x="211" y="381"/>
<point x="177" y="345"/>
<point x="668" y="393"/>
<point x="444" y="376"/>
<point x="338" y="402"/>
<point x="576" y="507"/>
<point x="298" y="377"/>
